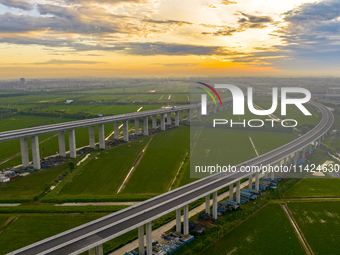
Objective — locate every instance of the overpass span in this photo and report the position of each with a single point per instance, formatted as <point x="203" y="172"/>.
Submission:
<point x="92" y="235"/>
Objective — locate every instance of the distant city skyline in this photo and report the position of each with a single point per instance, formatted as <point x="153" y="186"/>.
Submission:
<point x="151" y="38"/>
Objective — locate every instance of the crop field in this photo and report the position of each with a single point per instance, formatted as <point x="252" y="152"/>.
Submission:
<point x="3" y="219"/>
<point x="104" y="174"/>
<point x="25" y="188"/>
<point x="36" y="99"/>
<point x="268" y="231"/>
<point x="101" y="98"/>
<point x="311" y="187"/>
<point x="320" y="224"/>
<point x="35" y="227"/>
<point x="68" y="108"/>
<point x="160" y="162"/>
<point x="268" y="141"/>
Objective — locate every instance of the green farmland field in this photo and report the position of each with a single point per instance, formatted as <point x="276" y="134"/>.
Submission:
<point x="25" y="188"/>
<point x="320" y="224"/>
<point x="104" y="174"/>
<point x="312" y="187"/>
<point x="33" y="228"/>
<point x="266" y="232"/>
<point x="160" y="162"/>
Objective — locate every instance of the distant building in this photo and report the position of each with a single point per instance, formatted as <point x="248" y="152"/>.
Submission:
<point x="68" y="101"/>
<point x="22" y="81"/>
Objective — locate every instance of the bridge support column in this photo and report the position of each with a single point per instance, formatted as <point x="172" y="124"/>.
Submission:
<point x="61" y="142"/>
<point x="148" y="238"/>
<point x="189" y="115"/>
<point x="186" y="220"/>
<point x="35" y="152"/>
<point x="310" y="148"/>
<point x="116" y="130"/>
<point x="199" y="113"/>
<point x="154" y="121"/>
<point x="250" y="184"/>
<point x="24" y="152"/>
<point x="141" y="240"/>
<point x="162" y="121"/>
<point x="178" y="221"/>
<point x="272" y="174"/>
<point x="215" y="205"/>
<point x="304" y="152"/>
<point x="180" y="115"/>
<point x="101" y="133"/>
<point x="176" y="119"/>
<point x="96" y="250"/>
<point x="257" y="181"/>
<point x="207" y="204"/>
<point x="208" y="110"/>
<point x="214" y="109"/>
<point x="126" y="130"/>
<point x="323" y="137"/>
<point x="231" y="191"/>
<point x="266" y="174"/>
<point x="136" y="126"/>
<point x="72" y="143"/>
<point x="320" y="143"/>
<point x="295" y="158"/>
<point x="92" y="140"/>
<point x="168" y="118"/>
<point x="146" y="126"/>
<point x="238" y="192"/>
<point x="315" y="144"/>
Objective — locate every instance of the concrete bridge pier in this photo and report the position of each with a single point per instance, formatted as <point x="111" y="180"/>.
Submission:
<point x="61" y="142"/>
<point x="304" y="152"/>
<point x="257" y="181"/>
<point x="137" y="126"/>
<point x="126" y="130"/>
<point x="250" y="184"/>
<point x="162" y="121"/>
<point x="178" y="220"/>
<point x="214" y="108"/>
<point x="35" y="152"/>
<point x="24" y="152"/>
<point x="181" y="115"/>
<point x="145" y="126"/>
<point x="189" y="115"/>
<point x="154" y="121"/>
<point x="186" y="220"/>
<point x="310" y="148"/>
<point x="92" y="139"/>
<point x="141" y="240"/>
<point x="231" y="191"/>
<point x="168" y="118"/>
<point x="176" y="119"/>
<point x="101" y="133"/>
<point x="238" y="192"/>
<point x="148" y="238"/>
<point x="215" y="205"/>
<point x="72" y="143"/>
<point x="272" y="173"/>
<point x="96" y="250"/>
<point x="116" y="130"/>
<point x="296" y="154"/>
<point x="207" y="204"/>
<point x="199" y="113"/>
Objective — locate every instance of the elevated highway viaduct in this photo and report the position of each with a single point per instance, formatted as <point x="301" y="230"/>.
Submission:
<point x="91" y="236"/>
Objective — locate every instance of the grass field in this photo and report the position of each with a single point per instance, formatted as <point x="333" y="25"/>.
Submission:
<point x="266" y="232"/>
<point x="160" y="162"/>
<point x="268" y="141"/>
<point x="104" y="174"/>
<point x="320" y="224"/>
<point x="29" y="229"/>
<point x="312" y="187"/>
<point x="3" y="219"/>
<point x="25" y="188"/>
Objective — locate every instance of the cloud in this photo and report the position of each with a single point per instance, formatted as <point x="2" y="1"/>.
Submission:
<point x="227" y="2"/>
<point x="178" y="64"/>
<point x="248" y="21"/>
<point x="66" y="62"/>
<point x="20" y="4"/>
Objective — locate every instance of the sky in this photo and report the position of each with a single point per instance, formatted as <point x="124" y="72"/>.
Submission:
<point x="162" y="38"/>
